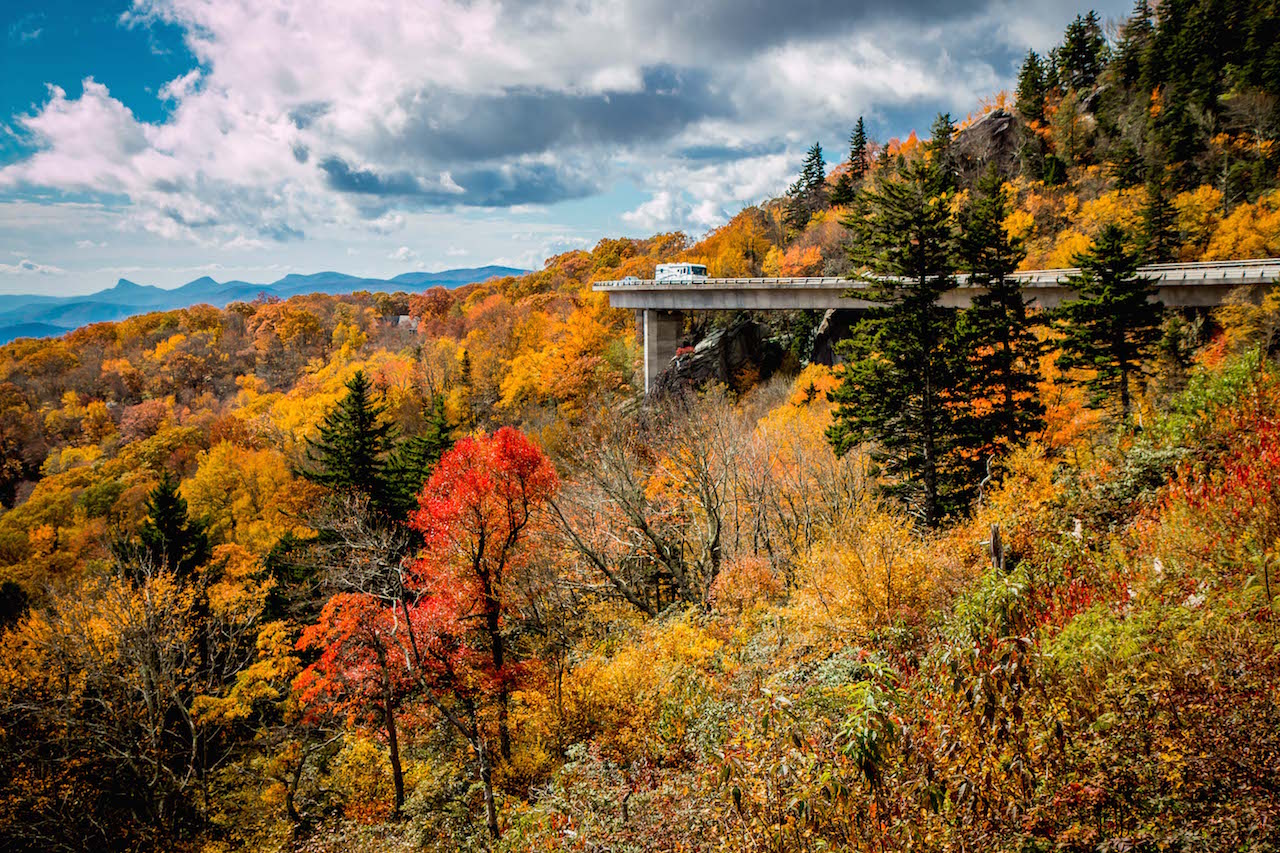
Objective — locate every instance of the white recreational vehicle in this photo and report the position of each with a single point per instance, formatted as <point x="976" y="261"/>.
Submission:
<point x="680" y="272"/>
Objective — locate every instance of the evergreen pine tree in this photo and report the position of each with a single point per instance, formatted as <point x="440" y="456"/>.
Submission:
<point x="1000" y="350"/>
<point x="416" y="456"/>
<point x="464" y="369"/>
<point x="1072" y="130"/>
<point x="170" y="538"/>
<point x="1159" y="241"/>
<point x="796" y="213"/>
<point x="1032" y="87"/>
<point x="1127" y="165"/>
<point x="466" y="384"/>
<point x="1131" y="53"/>
<point x="814" y="175"/>
<point x="896" y="377"/>
<point x="941" y="150"/>
<point x="1055" y="171"/>
<point x="808" y="194"/>
<point x="1114" y="323"/>
<point x="14" y="604"/>
<point x="1083" y="53"/>
<point x="859" y="155"/>
<point x="843" y="193"/>
<point x="350" y="454"/>
<point x="1053" y="69"/>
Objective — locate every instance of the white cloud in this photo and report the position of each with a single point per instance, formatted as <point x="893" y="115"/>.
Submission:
<point x="361" y="119"/>
<point x="403" y="254"/>
<point x="240" y="241"/>
<point x="665" y="209"/>
<point x="388" y="223"/>
<point x="90" y="244"/>
<point x="27" y="266"/>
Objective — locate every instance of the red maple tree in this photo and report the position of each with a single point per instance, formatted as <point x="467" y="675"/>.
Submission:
<point x="447" y="639"/>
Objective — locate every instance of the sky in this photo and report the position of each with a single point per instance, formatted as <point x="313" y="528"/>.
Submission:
<point x="163" y="140"/>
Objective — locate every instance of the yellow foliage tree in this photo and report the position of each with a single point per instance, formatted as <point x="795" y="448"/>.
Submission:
<point x="1250" y="231"/>
<point x="1198" y="213"/>
<point x="250" y="497"/>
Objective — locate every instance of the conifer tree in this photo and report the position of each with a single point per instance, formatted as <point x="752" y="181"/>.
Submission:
<point x="843" y="193"/>
<point x="897" y="372"/>
<point x="1111" y="328"/>
<point x="1001" y="351"/>
<point x="1159" y="242"/>
<point x="1072" y="129"/>
<point x="464" y="369"/>
<point x="1083" y="53"/>
<point x="14" y="604"/>
<point x="170" y="538"/>
<point x="1032" y="87"/>
<point x="1135" y="40"/>
<point x="1127" y="165"/>
<point x="808" y="194"/>
<point x="796" y="213"/>
<point x="859" y="155"/>
<point x="941" y="151"/>
<point x="416" y="456"/>
<point x="814" y="173"/>
<point x="351" y="453"/>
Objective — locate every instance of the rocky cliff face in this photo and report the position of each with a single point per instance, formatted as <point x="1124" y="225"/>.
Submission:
<point x="724" y="356"/>
<point x="994" y="138"/>
<point x="837" y="323"/>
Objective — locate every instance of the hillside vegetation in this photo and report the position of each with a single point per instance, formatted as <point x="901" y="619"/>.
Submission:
<point x="293" y="575"/>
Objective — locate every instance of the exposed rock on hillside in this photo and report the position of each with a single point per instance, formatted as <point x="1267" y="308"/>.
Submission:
<point x="837" y="323"/>
<point x="724" y="355"/>
<point x="994" y="138"/>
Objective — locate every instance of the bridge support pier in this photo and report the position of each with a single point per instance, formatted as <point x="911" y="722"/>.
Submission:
<point x="661" y="331"/>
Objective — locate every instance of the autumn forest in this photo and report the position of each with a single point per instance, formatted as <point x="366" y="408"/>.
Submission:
<point x="430" y="571"/>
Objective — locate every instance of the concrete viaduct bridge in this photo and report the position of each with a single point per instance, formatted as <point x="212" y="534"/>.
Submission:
<point x="659" y="304"/>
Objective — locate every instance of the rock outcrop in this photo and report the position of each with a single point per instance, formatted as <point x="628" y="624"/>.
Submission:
<point x="725" y="355"/>
<point x="994" y="138"/>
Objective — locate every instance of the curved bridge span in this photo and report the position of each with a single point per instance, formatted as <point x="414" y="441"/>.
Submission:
<point x="659" y="303"/>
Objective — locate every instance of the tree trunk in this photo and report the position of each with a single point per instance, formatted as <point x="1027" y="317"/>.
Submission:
<point x="1124" y="392"/>
<point x="927" y="426"/>
<point x="393" y="743"/>
<point x="486" y="778"/>
<point x="291" y="793"/>
<point x="493" y="627"/>
<point x="504" y="728"/>
<point x="499" y="660"/>
<point x="1006" y="381"/>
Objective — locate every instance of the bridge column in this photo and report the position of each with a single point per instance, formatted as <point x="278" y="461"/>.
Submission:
<point x="661" y="330"/>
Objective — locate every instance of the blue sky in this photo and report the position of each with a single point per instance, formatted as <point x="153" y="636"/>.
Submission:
<point x="162" y="140"/>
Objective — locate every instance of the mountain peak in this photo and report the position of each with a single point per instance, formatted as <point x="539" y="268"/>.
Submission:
<point x="47" y="315"/>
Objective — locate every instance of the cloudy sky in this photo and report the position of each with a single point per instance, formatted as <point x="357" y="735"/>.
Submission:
<point x="167" y="139"/>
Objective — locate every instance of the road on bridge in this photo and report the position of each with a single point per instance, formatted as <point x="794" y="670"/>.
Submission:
<point x="659" y="303"/>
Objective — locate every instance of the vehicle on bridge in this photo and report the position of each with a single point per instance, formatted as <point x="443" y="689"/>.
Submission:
<point x="680" y="272"/>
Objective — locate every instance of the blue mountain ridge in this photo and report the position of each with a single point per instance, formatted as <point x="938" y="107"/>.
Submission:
<point x="38" y="316"/>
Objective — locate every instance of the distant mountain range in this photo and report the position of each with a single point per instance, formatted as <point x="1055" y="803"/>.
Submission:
<point x="45" y="316"/>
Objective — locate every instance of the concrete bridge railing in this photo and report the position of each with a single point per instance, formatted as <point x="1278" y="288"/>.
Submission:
<point x="659" y="304"/>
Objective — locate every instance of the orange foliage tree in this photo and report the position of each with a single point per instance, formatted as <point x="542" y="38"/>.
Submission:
<point x="361" y="668"/>
<point x="447" y="631"/>
<point x="473" y="514"/>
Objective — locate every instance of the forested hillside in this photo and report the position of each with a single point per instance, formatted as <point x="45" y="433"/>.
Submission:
<point x="296" y="575"/>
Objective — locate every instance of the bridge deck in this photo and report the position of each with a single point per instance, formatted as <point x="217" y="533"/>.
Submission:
<point x="1198" y="284"/>
<point x="658" y="303"/>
